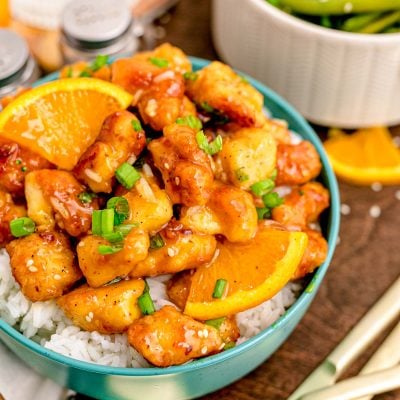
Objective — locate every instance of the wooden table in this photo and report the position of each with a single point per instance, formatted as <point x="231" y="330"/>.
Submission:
<point x="366" y="261"/>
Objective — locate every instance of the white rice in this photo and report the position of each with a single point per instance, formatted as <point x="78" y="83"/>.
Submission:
<point x="45" y="322"/>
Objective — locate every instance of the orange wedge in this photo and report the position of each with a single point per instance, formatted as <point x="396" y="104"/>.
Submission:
<point x="61" y="119"/>
<point x="254" y="271"/>
<point x="365" y="157"/>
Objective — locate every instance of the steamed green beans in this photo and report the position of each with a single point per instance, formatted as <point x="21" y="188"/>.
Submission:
<point x="358" y="16"/>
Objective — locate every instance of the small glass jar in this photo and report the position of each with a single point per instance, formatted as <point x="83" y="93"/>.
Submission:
<point x="17" y="67"/>
<point x="92" y="27"/>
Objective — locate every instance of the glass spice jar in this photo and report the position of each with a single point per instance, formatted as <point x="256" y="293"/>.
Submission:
<point x="92" y="27"/>
<point x="17" y="67"/>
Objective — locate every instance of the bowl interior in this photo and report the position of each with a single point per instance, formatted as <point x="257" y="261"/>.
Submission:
<point x="279" y="108"/>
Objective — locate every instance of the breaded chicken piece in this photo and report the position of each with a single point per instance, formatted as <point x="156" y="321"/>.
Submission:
<point x="100" y="269"/>
<point x="182" y="250"/>
<point x="168" y="337"/>
<point x="302" y="205"/>
<point x="15" y="162"/>
<point x="150" y="206"/>
<point x="228" y="330"/>
<point x="219" y="87"/>
<point x="8" y="212"/>
<point x="297" y="163"/>
<point x="230" y="212"/>
<point x="315" y="254"/>
<point x="247" y="156"/>
<point x="178" y="288"/>
<point x="43" y="264"/>
<point x="279" y="130"/>
<point x="185" y="168"/>
<point x="53" y="197"/>
<point x="110" y="309"/>
<point x="121" y="138"/>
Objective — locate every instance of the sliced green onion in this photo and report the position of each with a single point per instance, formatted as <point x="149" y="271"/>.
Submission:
<point x="24" y="169"/>
<point x="114" y="237"/>
<point x="137" y="126"/>
<point x="206" y="107"/>
<point x="191" y="121"/>
<point x="216" y="323"/>
<point x="219" y="288"/>
<point x="241" y="176"/>
<point x="156" y="242"/>
<point x="146" y="304"/>
<point x="86" y="197"/>
<point x="120" y="206"/>
<point x="326" y="21"/>
<point x="126" y="228"/>
<point x="18" y="161"/>
<point x="104" y="249"/>
<point x="99" y="62"/>
<point x="263" y="213"/>
<point x="23" y="226"/>
<point x="159" y="62"/>
<point x="244" y="79"/>
<point x="190" y="76"/>
<point x="229" y="345"/>
<point x="115" y="280"/>
<point x="262" y="187"/>
<point x="102" y="222"/>
<point x="69" y="72"/>
<point x="274" y="174"/>
<point x="85" y="74"/>
<point x="272" y="200"/>
<point x="127" y="175"/>
<point x="210" y="148"/>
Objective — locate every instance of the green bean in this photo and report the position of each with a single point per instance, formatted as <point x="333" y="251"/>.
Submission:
<point x="354" y="24"/>
<point x="382" y="23"/>
<point x="340" y="7"/>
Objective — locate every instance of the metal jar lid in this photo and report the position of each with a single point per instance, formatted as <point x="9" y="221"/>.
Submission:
<point x="95" y="23"/>
<point x="14" y="55"/>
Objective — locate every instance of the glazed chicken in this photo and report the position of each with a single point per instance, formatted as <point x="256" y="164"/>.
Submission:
<point x="44" y="265"/>
<point x="121" y="139"/>
<point x="169" y="337"/>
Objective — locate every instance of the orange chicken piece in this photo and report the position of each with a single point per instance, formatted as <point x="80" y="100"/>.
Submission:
<point x="168" y="337"/>
<point x="43" y="264"/>
<point x="117" y="142"/>
<point x="107" y="310"/>
<point x="100" y="269"/>
<point x="53" y="197"/>
<point x="185" y="168"/>
<point x="297" y="163"/>
<point x="178" y="288"/>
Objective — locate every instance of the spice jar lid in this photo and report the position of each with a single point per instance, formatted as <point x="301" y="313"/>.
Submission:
<point x="13" y="54"/>
<point x="95" y="21"/>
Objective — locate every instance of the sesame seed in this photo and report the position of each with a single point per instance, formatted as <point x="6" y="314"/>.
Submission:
<point x="345" y="209"/>
<point x="177" y="180"/>
<point x="397" y="194"/>
<point x="81" y="244"/>
<point x="200" y="334"/>
<point x="348" y="7"/>
<point x="204" y="350"/>
<point x="205" y="333"/>
<point x="376" y="186"/>
<point x="32" y="268"/>
<point x="91" y="315"/>
<point x="222" y="346"/>
<point x="57" y="277"/>
<point x="29" y="262"/>
<point x="166" y="165"/>
<point x="375" y="211"/>
<point x="151" y="108"/>
<point x="170" y="252"/>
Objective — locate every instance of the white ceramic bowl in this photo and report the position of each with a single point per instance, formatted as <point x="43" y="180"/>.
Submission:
<point x="333" y="78"/>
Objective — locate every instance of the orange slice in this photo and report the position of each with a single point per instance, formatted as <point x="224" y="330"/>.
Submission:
<point x="61" y="119"/>
<point x="365" y="157"/>
<point x="254" y="271"/>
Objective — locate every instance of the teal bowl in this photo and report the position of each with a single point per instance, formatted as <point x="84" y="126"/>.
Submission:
<point x="202" y="376"/>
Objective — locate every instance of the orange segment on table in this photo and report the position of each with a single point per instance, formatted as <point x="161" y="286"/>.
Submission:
<point x="61" y="119"/>
<point x="254" y="271"/>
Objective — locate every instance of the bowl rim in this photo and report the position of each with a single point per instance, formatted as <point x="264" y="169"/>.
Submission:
<point x="327" y="33"/>
<point x="333" y="230"/>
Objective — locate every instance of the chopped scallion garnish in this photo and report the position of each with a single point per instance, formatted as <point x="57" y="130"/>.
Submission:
<point x="191" y="121"/>
<point x="137" y="126"/>
<point x="206" y="107"/>
<point x="23" y="226"/>
<point x="104" y="249"/>
<point x="102" y="222"/>
<point x="216" y="323"/>
<point x="85" y="74"/>
<point x="99" y="62"/>
<point x="69" y="72"/>
<point x="24" y="169"/>
<point x="262" y="187"/>
<point x="274" y="174"/>
<point x="86" y="197"/>
<point x="126" y="228"/>
<point x="114" y="237"/>
<point x="210" y="148"/>
<point x="127" y="175"/>
<point x="18" y="161"/>
<point x="120" y="206"/>
<point x="229" y="345"/>
<point x="190" y="76"/>
<point x="272" y="200"/>
<point x="159" y="62"/>
<point x="146" y="304"/>
<point x="156" y="242"/>
<point x="219" y="288"/>
<point x="263" y="213"/>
